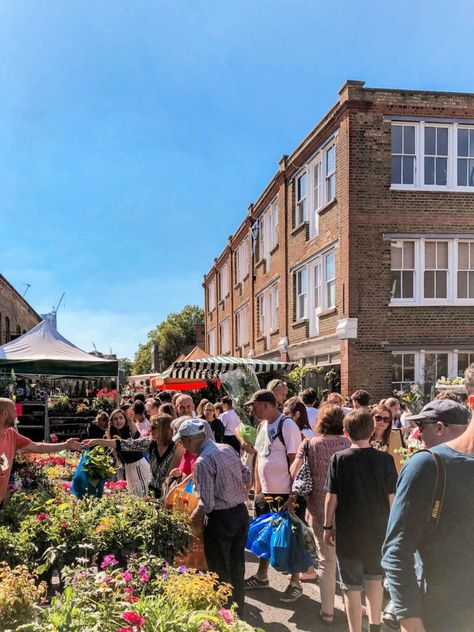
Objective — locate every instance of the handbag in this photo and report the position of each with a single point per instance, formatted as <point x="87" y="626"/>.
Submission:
<point x="303" y="483"/>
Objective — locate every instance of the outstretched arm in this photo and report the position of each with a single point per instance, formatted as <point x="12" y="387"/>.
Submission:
<point x="45" y="448"/>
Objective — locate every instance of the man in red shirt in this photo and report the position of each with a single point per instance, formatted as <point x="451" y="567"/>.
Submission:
<point x="11" y="441"/>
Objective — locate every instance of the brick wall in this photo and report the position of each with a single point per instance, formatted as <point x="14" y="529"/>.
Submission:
<point x="15" y="313"/>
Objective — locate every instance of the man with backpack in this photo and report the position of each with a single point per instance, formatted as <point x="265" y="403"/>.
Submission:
<point x="277" y="442"/>
<point x="433" y="513"/>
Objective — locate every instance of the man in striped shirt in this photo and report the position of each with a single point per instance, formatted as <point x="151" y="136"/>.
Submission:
<point x="220" y="479"/>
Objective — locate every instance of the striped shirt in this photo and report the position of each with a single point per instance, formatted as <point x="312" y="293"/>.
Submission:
<point x="219" y="477"/>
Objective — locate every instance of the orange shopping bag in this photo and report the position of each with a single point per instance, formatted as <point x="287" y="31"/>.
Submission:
<point x="181" y="498"/>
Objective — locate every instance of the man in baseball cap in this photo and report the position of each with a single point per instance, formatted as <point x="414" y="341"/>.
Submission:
<point x="189" y="428"/>
<point x="441" y="420"/>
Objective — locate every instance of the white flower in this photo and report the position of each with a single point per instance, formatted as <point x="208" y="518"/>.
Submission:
<point x="4" y="464"/>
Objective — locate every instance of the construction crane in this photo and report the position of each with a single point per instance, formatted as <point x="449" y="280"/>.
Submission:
<point x="55" y="309"/>
<point x="28" y="285"/>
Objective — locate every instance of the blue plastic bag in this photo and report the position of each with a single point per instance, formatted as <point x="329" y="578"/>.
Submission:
<point x="80" y="483"/>
<point x="261" y="545"/>
<point x="280" y="544"/>
<point x="256" y="526"/>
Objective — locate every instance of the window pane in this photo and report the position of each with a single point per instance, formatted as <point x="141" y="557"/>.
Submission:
<point x="331" y="294"/>
<point x="462" y="284"/>
<point x="463" y="142"/>
<point x="330" y="266"/>
<point x="396" y="286"/>
<point x="471" y="284"/>
<point x="441" y="284"/>
<point x="409" y="139"/>
<point x="442" y="144"/>
<point x="396" y="170"/>
<point x="442" y="365"/>
<point x="430" y="255"/>
<point x="430" y="144"/>
<point x="409" y="254"/>
<point x="330" y="160"/>
<point x="462" y="173"/>
<point x="441" y="171"/>
<point x="408" y="169"/>
<point x="407" y="285"/>
<point x="470" y="173"/>
<point x="429" y="170"/>
<point x="463" y="363"/>
<point x="396" y="254"/>
<point x="397" y="368"/>
<point x="331" y="187"/>
<point x="409" y="361"/>
<point x="471" y="142"/>
<point x="409" y="374"/>
<point x="463" y="256"/>
<point x="301" y="186"/>
<point x="429" y="291"/>
<point x="396" y="139"/>
<point x="472" y="254"/>
<point x="442" y="255"/>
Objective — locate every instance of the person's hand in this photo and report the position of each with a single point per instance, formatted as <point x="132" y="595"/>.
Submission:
<point x="73" y="444"/>
<point x="88" y="443"/>
<point x="290" y="504"/>
<point x="248" y="448"/>
<point x="175" y="473"/>
<point x="329" y="537"/>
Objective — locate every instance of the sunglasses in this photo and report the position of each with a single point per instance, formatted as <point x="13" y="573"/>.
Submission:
<point x="421" y="424"/>
<point x="386" y="420"/>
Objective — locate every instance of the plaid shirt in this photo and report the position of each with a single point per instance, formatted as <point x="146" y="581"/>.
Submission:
<point x="219" y="477"/>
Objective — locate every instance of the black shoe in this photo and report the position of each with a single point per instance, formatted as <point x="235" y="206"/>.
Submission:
<point x="390" y="620"/>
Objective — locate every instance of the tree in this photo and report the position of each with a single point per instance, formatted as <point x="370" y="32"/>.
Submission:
<point x="171" y="337"/>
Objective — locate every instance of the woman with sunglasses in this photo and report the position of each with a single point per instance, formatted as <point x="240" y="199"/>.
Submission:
<point x="382" y="416"/>
<point x="164" y="455"/>
<point x="135" y="466"/>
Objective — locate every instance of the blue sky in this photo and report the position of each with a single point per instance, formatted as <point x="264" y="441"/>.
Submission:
<point x="134" y="135"/>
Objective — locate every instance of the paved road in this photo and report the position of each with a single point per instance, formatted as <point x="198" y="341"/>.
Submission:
<point x="265" y="611"/>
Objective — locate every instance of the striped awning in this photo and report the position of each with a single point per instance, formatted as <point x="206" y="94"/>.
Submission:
<point x="210" y="368"/>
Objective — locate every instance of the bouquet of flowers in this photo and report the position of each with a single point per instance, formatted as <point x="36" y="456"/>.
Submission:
<point x="241" y="384"/>
<point x="411" y="447"/>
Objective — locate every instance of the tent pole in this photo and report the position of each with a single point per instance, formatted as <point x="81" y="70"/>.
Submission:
<point x="118" y="386"/>
<point x="46" y="421"/>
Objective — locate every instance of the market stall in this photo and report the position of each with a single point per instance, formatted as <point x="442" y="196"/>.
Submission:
<point x="166" y="381"/>
<point x="44" y="353"/>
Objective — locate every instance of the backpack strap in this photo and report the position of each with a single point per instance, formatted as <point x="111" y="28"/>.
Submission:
<point x="438" y="490"/>
<point x="279" y="435"/>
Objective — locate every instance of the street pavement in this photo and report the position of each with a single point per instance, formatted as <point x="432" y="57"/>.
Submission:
<point x="265" y="611"/>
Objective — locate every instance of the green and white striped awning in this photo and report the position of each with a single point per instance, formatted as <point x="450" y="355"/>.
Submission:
<point x="208" y="368"/>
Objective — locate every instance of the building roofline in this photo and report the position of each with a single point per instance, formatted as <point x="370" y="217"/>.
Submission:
<point x="18" y="295"/>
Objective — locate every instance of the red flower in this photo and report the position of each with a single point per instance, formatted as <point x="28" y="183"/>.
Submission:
<point x="132" y="618"/>
<point x="42" y="516"/>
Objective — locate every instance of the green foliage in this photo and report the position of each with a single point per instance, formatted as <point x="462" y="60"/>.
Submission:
<point x="20" y="596"/>
<point x="177" y="331"/>
<point x="98" y="465"/>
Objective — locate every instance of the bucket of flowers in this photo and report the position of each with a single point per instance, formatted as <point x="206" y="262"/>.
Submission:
<point x="94" y="469"/>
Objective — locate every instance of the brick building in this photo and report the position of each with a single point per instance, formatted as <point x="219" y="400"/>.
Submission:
<point x="16" y="315"/>
<point x="359" y="253"/>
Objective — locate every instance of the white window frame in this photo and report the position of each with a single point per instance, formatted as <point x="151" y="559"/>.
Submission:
<point x="452" y="280"/>
<point x="269" y="313"/>
<point x="301" y="211"/>
<point x="401" y="244"/>
<point x="212" y="342"/>
<point x="242" y="261"/>
<point x="317" y="293"/>
<point x="268" y="233"/>
<point x="224" y="285"/>
<point x="403" y="384"/>
<point x="419" y="178"/>
<point x="211" y="295"/>
<point x="224" y="337"/>
<point x="302" y="294"/>
<point x="420" y="361"/>
<point x="328" y="175"/>
<point x="242" y="326"/>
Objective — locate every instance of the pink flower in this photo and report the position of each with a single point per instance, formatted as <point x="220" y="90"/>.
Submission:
<point x="127" y="629"/>
<point x="42" y="516"/>
<point x="143" y="574"/>
<point x="127" y="576"/>
<point x="226" y="615"/>
<point x="109" y="560"/>
<point x="207" y="625"/>
<point x="133" y="619"/>
<point x="54" y="438"/>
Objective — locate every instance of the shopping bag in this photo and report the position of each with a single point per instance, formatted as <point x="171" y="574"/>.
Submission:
<point x="182" y="498"/>
<point x="261" y="545"/>
<point x="299" y="560"/>
<point x="280" y="543"/>
<point x="256" y="526"/>
<point x="81" y="485"/>
<point x="308" y="538"/>
<point x="303" y="483"/>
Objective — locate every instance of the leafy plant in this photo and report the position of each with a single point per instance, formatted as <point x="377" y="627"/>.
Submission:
<point x="98" y="465"/>
<point x="20" y="596"/>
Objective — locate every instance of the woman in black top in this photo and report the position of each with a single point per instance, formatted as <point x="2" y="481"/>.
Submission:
<point x="136" y="467"/>
<point x="217" y="427"/>
<point x="96" y="429"/>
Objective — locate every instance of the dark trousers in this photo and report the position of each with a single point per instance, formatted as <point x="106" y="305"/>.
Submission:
<point x="233" y="442"/>
<point x="225" y="535"/>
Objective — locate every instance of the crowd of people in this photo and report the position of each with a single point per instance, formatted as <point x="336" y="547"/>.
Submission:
<point x="373" y="521"/>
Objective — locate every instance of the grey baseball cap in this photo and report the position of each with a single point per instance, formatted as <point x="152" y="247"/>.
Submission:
<point x="189" y="428"/>
<point x="263" y="395"/>
<point x="445" y="410"/>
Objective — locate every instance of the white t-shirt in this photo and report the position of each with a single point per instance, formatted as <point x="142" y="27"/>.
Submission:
<point x="273" y="466"/>
<point x="144" y="428"/>
<point x="231" y="421"/>
<point x="312" y="415"/>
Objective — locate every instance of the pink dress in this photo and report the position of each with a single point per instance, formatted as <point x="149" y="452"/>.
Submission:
<point x="320" y="451"/>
